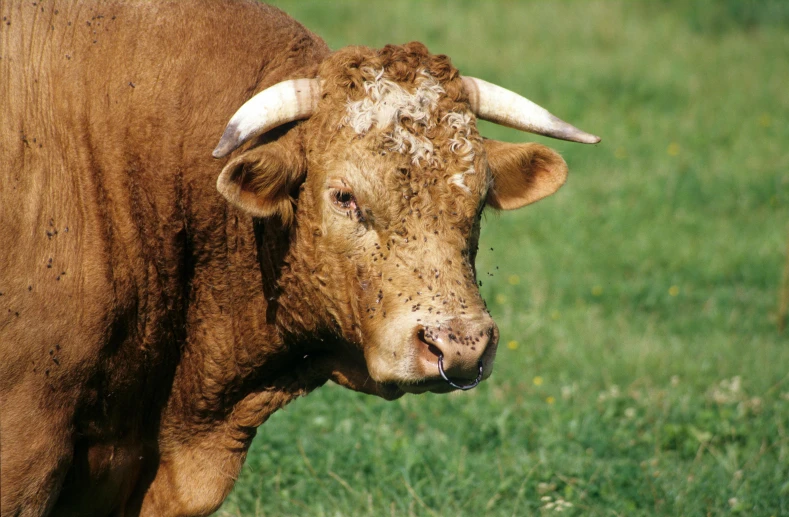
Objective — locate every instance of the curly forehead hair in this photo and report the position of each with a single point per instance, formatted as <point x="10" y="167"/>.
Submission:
<point x="345" y="69"/>
<point x="412" y="101"/>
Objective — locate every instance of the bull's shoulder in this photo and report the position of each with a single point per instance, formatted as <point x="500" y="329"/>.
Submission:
<point x="228" y="38"/>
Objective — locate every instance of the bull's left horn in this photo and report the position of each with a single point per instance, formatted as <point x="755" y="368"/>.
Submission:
<point x="501" y="106"/>
<point x="295" y="99"/>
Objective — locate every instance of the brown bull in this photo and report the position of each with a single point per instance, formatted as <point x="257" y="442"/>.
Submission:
<point x="148" y="326"/>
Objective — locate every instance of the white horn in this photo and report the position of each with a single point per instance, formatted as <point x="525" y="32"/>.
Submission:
<point x="501" y="106"/>
<point x="295" y="99"/>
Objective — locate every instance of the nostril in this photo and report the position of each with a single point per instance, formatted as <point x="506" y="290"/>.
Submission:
<point x="434" y="350"/>
<point x="426" y="338"/>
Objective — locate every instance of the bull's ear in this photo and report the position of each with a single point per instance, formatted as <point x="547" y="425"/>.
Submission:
<point x="522" y="173"/>
<point x="260" y="180"/>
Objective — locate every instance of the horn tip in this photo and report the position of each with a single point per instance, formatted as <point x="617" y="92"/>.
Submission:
<point x="221" y="150"/>
<point x="228" y="143"/>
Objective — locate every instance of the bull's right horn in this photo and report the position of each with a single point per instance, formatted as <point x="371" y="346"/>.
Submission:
<point x="501" y="106"/>
<point x="295" y="99"/>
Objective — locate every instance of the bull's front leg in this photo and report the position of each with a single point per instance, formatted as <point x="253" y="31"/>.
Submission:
<point x="197" y="470"/>
<point x="194" y="478"/>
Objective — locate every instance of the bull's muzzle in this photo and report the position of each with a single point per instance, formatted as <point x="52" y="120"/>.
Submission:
<point x="462" y="351"/>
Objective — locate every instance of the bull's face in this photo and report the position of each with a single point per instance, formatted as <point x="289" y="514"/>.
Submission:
<point x="401" y="232"/>
<point x="392" y="178"/>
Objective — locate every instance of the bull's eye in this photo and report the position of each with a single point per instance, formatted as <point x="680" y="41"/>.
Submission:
<point x="345" y="202"/>
<point x="344" y="199"/>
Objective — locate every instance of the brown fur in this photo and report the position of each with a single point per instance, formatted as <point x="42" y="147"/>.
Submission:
<point x="147" y="328"/>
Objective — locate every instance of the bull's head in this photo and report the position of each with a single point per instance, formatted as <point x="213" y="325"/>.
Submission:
<point x="384" y="184"/>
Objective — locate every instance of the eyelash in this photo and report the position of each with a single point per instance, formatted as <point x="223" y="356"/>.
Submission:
<point x="344" y="200"/>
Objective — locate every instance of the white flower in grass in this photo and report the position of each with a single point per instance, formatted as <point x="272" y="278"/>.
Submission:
<point x="611" y="393"/>
<point x="544" y="488"/>
<point x="558" y="505"/>
<point x="567" y="392"/>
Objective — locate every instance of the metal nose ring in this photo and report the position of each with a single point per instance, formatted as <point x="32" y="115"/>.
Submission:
<point x="457" y="386"/>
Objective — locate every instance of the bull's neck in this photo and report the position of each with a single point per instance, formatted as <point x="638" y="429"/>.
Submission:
<point x="290" y="269"/>
<point x="251" y="313"/>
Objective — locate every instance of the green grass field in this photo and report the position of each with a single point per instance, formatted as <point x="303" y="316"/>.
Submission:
<point x="640" y="370"/>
